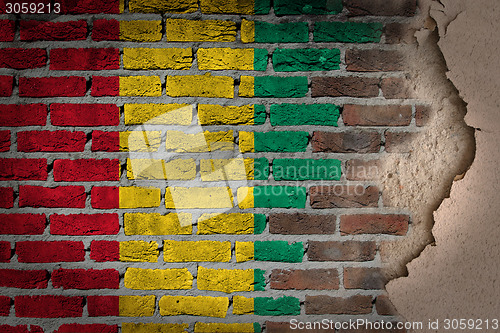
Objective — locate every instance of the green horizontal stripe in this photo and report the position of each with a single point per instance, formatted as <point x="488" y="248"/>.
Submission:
<point x="304" y="114"/>
<point x="297" y="32"/>
<point x="282" y="141"/>
<point x="299" y="60"/>
<point x="259" y="223"/>
<point x="259" y="280"/>
<point x="280" y="87"/>
<point x="279" y="197"/>
<point x="279" y="251"/>
<point x="347" y="32"/>
<point x="315" y="7"/>
<point x="305" y="169"/>
<point x="283" y="306"/>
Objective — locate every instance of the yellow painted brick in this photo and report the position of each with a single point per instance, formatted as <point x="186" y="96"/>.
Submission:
<point x="247" y="86"/>
<point x="225" y="280"/>
<point x="195" y="306"/>
<point x="245" y="197"/>
<point x="163" y="6"/>
<point x="227" y="6"/>
<point x="223" y="327"/>
<point x="154" y="328"/>
<point x="225" y="58"/>
<point x="140" y="31"/>
<point x="181" y="142"/>
<point x="186" y="251"/>
<point x="145" y="141"/>
<point x="205" y="85"/>
<point x="244" y="251"/>
<point x="153" y="279"/>
<point x="146" y="58"/>
<point x="139" y="251"/>
<point x="224" y="169"/>
<point x="139" y="197"/>
<point x="178" y="169"/>
<point x="158" y="114"/>
<point x="140" y="86"/>
<point x="157" y="224"/>
<point x="137" y="306"/>
<point x="209" y="114"/>
<point x="247" y="31"/>
<point x="121" y="4"/>
<point x="243" y="305"/>
<point x="233" y="223"/>
<point x="250" y="168"/>
<point x="181" y="30"/>
<point x="246" y="142"/>
<point x="198" y="197"/>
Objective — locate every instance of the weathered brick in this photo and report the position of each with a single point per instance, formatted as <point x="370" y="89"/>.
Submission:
<point x="23" y="169"/>
<point x="181" y="30"/>
<point x="53" y="31"/>
<point x="6" y="85"/>
<point x="304" y="114"/>
<point x="102" y="251"/>
<point x="314" y="7"/>
<point x="315" y="279"/>
<point x="5" y="303"/>
<point x="48" y="306"/>
<point x="235" y="7"/>
<point x="156" y="6"/>
<point x="45" y="252"/>
<point x="86" y="170"/>
<point x="228" y="280"/>
<point x="139" y="197"/>
<point x="7" y="30"/>
<point x="380" y="7"/>
<point x="400" y="142"/>
<point x="6" y="197"/>
<point x="398" y="33"/>
<point x="88" y="115"/>
<point x="422" y="115"/>
<point x="345" y="86"/>
<point x="364" y="278"/>
<point x="99" y="306"/>
<point x="87" y="328"/>
<point x="198" y="197"/>
<point x="140" y="86"/>
<point x="263" y="32"/>
<point x="90" y="59"/>
<point x="346" y="142"/>
<point x="195" y="306"/>
<point x="374" y="224"/>
<point x="86" y="279"/>
<point x="205" y="250"/>
<point x="273" y="86"/>
<point x="272" y="197"/>
<point x="64" y="86"/>
<point x="158" y="114"/>
<point x="278" y="141"/>
<point x="305" y="169"/>
<point x="363" y="170"/>
<point x="341" y="251"/>
<point x="384" y="306"/>
<point x="396" y="88"/>
<point x="354" y="305"/>
<point x="300" y="60"/>
<point x="377" y="115"/>
<point x="22" y="224"/>
<point x="24" y="279"/>
<point x="13" y="115"/>
<point x="137" y="306"/>
<point x="51" y="141"/>
<point x="232" y="59"/>
<point x="343" y="196"/>
<point x="347" y="32"/>
<point x="200" y="86"/>
<point x="140" y="31"/>
<point x="301" y="224"/>
<point x="5" y="251"/>
<point x="91" y="6"/>
<point x="157" y="58"/>
<point x="139" y="251"/>
<point x="57" y="197"/>
<point x="4" y="141"/>
<point x="103" y="29"/>
<point x="374" y="60"/>
<point x="158" y="279"/>
<point x="84" y="224"/>
<point x="22" y="58"/>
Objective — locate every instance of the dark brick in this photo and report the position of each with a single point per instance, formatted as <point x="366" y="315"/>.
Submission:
<point x="364" y="278"/>
<point x="374" y="224"/>
<point x="348" y="142"/>
<point x="345" y="86"/>
<point x="323" y="304"/>
<point x="377" y="115"/>
<point x="384" y="306"/>
<point x="381" y="7"/>
<point x="422" y="115"/>
<point x="301" y="224"/>
<point x="397" y="33"/>
<point x="363" y="170"/>
<point x="316" y="279"/>
<point x="396" y="88"/>
<point x="375" y="60"/>
<point x="400" y="142"/>
<point x="343" y="196"/>
<point x="341" y="251"/>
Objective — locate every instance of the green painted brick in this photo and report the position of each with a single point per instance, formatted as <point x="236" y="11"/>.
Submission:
<point x="259" y="280"/>
<point x="300" y="60"/>
<point x="260" y="59"/>
<point x="280" y="87"/>
<point x="257" y="328"/>
<point x="278" y="251"/>
<point x="347" y="32"/>
<point x="279" y="197"/>
<point x="259" y="223"/>
<point x="259" y="114"/>
<point x="282" y="141"/>
<point x="261" y="168"/>
<point x="295" y="32"/>
<point x="315" y="7"/>
<point x="305" y="169"/>
<point x="304" y="114"/>
<point x="283" y="306"/>
<point x="262" y="7"/>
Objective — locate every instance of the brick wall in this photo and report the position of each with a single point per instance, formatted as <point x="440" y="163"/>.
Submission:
<point x="202" y="166"/>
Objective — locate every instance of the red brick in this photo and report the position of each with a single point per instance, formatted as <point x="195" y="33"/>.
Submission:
<point x="55" y="251"/>
<point x="375" y="60"/>
<point x="17" y="58"/>
<point x="105" y="197"/>
<point x="343" y="196"/>
<point x="90" y="6"/>
<point x="5" y="303"/>
<point x="86" y="279"/>
<point x="362" y="170"/>
<point x="6" y="197"/>
<point x="6" y="85"/>
<point x="301" y="224"/>
<point x="105" y="141"/>
<point x="377" y="115"/>
<point x="47" y="141"/>
<point x="354" y="305"/>
<point x="48" y="306"/>
<point x="56" y="197"/>
<point x="87" y="328"/>
<point x="285" y="327"/>
<point x="64" y="86"/>
<point x="7" y="30"/>
<point x="364" y="278"/>
<point x="381" y="7"/>
<point x="84" y="224"/>
<point x="45" y="30"/>
<point x="400" y="142"/>
<point x="84" y="115"/>
<point x="106" y="30"/>
<point x="396" y="88"/>
<point x="86" y="170"/>
<point x="398" y="33"/>
<point x="315" y="279"/>
<point x="93" y="59"/>
<point x="422" y="115"/>
<point x="374" y="224"/>
<point x="99" y="306"/>
<point x="13" y="115"/>
<point x="24" y="279"/>
<point x="105" y="86"/>
<point x="341" y="251"/>
<point x="23" y="169"/>
<point x="5" y="252"/>
<point x="345" y="86"/>
<point x="20" y="329"/>
<point x="22" y="224"/>
<point x="102" y="251"/>
<point x="4" y="141"/>
<point x="348" y="142"/>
